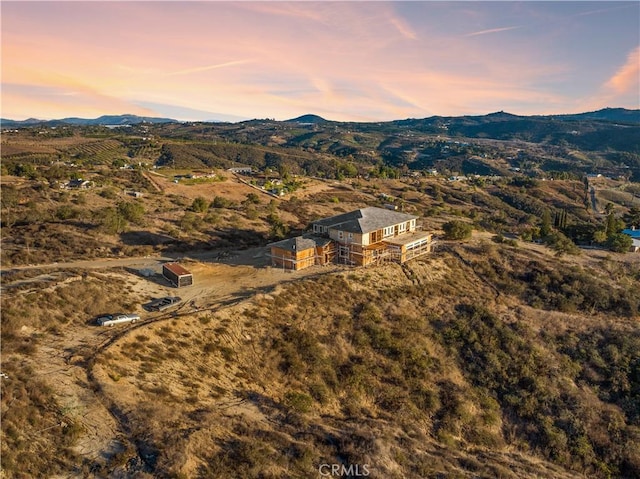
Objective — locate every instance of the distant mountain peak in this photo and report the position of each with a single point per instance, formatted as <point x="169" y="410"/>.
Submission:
<point x="500" y="116"/>
<point x="309" y="118"/>
<point x="126" y="119"/>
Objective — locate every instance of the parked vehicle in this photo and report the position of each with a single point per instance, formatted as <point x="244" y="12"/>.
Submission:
<point x="161" y="304"/>
<point x="111" y="319"/>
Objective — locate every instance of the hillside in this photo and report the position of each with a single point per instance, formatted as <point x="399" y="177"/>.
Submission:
<point x="512" y="352"/>
<point x="530" y="372"/>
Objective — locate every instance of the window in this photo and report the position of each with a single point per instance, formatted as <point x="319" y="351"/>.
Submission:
<point x="340" y="235"/>
<point x="402" y="227"/>
<point x="350" y="236"/>
<point x="388" y="231"/>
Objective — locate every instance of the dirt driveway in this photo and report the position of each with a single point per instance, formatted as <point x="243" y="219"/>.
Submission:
<point x="66" y="358"/>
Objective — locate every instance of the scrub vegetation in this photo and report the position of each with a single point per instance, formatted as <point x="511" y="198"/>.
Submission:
<point x="513" y="350"/>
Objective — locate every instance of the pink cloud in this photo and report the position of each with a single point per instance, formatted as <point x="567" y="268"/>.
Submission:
<point x="627" y="78"/>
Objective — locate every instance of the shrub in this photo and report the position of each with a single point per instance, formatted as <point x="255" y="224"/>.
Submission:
<point x="457" y="230"/>
<point x="253" y="198"/>
<point x="619" y="242"/>
<point x="220" y="202"/>
<point x="299" y="402"/>
<point x="200" y="205"/>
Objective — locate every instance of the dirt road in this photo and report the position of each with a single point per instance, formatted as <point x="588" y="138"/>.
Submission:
<point x="65" y="358"/>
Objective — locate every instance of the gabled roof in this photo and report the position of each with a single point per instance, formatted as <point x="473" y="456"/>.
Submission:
<point x="299" y="243"/>
<point x="365" y="220"/>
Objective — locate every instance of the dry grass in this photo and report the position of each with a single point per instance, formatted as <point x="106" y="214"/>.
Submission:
<point x="258" y="388"/>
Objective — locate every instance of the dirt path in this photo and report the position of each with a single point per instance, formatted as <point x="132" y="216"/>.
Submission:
<point x="99" y="263"/>
<point x="222" y="278"/>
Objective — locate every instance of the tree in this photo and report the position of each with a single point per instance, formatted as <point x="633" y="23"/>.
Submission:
<point x="608" y="209"/>
<point x="613" y="225"/>
<point x="632" y="217"/>
<point x="278" y="229"/>
<point x="619" y="242"/>
<point x="545" y="226"/>
<point x="560" y="219"/>
<point x="112" y="221"/>
<point x="457" y="230"/>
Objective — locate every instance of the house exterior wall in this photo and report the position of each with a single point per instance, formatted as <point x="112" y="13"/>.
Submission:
<point x="346" y="237"/>
<point x="297" y="260"/>
<point x="405" y="252"/>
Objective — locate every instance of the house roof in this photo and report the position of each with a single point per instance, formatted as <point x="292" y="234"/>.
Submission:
<point x="299" y="243"/>
<point x="365" y="220"/>
<point x="632" y="233"/>
<point x="176" y="269"/>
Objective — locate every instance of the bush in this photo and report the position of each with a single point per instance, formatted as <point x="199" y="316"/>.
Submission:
<point x="561" y="244"/>
<point x="66" y="212"/>
<point x="253" y="198"/>
<point x="457" y="230"/>
<point x="220" y="202"/>
<point x="299" y="402"/>
<point x="130" y="211"/>
<point x="619" y="242"/>
<point x="200" y="205"/>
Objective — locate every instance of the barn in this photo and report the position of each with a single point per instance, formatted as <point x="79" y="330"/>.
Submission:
<point x="177" y="274"/>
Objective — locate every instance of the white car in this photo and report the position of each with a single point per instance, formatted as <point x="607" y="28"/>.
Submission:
<point x="111" y="319"/>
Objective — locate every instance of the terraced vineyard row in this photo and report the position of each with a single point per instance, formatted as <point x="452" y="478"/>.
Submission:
<point x="100" y="151"/>
<point x="144" y="151"/>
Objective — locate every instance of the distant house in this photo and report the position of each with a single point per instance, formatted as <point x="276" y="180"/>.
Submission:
<point x="635" y="236"/>
<point x="245" y="170"/>
<point x="78" y="184"/>
<point x="357" y="238"/>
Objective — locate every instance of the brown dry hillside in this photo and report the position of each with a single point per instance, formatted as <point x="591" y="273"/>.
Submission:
<point x="482" y="360"/>
<point x="511" y="353"/>
<point x="398" y="370"/>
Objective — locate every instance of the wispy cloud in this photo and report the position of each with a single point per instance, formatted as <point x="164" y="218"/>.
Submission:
<point x="627" y="78"/>
<point x="207" y="68"/>
<point x="404" y="29"/>
<point x="604" y="10"/>
<point x="492" y="30"/>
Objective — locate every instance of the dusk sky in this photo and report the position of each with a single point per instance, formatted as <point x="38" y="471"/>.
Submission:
<point x="350" y="61"/>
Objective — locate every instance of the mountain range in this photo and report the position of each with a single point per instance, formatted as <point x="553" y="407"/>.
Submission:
<point x="622" y="115"/>
<point x="120" y="120"/>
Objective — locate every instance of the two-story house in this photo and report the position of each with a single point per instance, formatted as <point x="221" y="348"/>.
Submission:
<point x="359" y="238"/>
